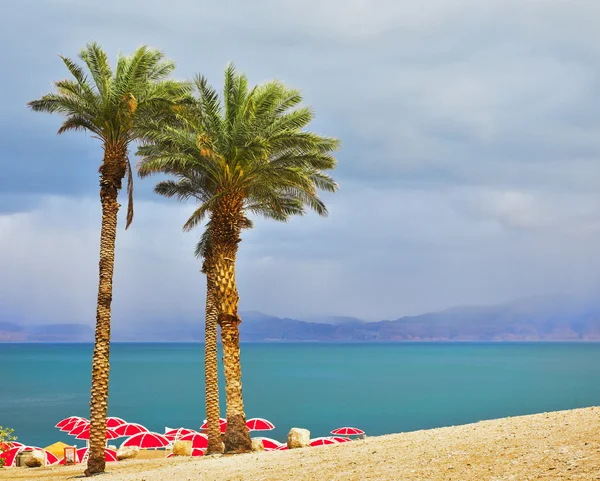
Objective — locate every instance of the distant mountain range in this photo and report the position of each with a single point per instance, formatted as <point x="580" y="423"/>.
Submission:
<point x="533" y="319"/>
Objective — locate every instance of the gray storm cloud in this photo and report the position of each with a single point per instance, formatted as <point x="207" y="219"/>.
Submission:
<point x="469" y="171"/>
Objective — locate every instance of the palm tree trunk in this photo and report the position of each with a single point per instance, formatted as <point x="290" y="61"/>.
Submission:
<point x="211" y="369"/>
<point x="225" y="227"/>
<point x="110" y="183"/>
<point x="237" y="436"/>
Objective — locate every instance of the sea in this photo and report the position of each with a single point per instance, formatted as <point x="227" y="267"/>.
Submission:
<point x="378" y="387"/>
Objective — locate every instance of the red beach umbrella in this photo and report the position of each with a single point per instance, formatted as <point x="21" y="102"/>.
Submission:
<point x="283" y="447"/>
<point x="110" y="455"/>
<point x="178" y="433"/>
<point x="198" y="452"/>
<point x="259" y="424"/>
<point x="10" y="456"/>
<point x="130" y="429"/>
<point x="73" y="424"/>
<point x="65" y="421"/>
<point x="339" y="439"/>
<point x="85" y="434"/>
<point x="269" y="444"/>
<point x="222" y="424"/>
<point x="14" y="444"/>
<point x="321" y="441"/>
<point x="147" y="441"/>
<point x="199" y="440"/>
<point x="77" y="430"/>
<point x="113" y="422"/>
<point x="51" y="458"/>
<point x="347" y="431"/>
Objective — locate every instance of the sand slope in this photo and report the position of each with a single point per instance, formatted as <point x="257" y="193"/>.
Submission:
<point x="562" y="445"/>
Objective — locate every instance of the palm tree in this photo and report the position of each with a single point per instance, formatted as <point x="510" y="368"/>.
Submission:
<point x="110" y="106"/>
<point x="247" y="153"/>
<point x="211" y="368"/>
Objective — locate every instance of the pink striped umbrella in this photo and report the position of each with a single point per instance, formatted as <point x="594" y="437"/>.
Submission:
<point x="51" y="458"/>
<point x="321" y="442"/>
<point x="198" y="440"/>
<point x="73" y="424"/>
<point x="269" y="444"/>
<point x="222" y="424"/>
<point x="130" y="429"/>
<point x="66" y="421"/>
<point x="113" y="422"/>
<point x="347" y="431"/>
<point x="178" y="432"/>
<point x="110" y="455"/>
<point x="259" y="424"/>
<point x="147" y="441"/>
<point x="10" y="456"/>
<point x="77" y="430"/>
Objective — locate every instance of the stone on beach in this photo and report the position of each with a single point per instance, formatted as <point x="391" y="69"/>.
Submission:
<point x="182" y="448"/>
<point x="127" y="452"/>
<point x="36" y="459"/>
<point x="257" y="445"/>
<point x="298" y="438"/>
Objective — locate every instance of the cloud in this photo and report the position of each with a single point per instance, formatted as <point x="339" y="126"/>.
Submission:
<point x="470" y="169"/>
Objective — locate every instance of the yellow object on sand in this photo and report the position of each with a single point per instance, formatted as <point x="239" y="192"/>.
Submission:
<point x="58" y="449"/>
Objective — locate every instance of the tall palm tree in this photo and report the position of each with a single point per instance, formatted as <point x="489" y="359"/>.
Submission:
<point x="211" y="367"/>
<point x="247" y="153"/>
<point x="110" y="105"/>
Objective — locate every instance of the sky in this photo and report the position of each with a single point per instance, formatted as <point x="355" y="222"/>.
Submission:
<point x="469" y="171"/>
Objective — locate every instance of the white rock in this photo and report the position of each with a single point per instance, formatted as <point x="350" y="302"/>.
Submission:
<point x="298" y="438"/>
<point x="257" y="445"/>
<point x="127" y="452"/>
<point x="36" y="459"/>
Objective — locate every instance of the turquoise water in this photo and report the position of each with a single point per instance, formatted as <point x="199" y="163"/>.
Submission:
<point x="382" y="388"/>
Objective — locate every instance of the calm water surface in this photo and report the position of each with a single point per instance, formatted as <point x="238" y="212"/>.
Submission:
<point x="382" y="388"/>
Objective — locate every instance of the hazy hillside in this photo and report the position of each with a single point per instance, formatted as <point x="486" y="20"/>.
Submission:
<point x="534" y="319"/>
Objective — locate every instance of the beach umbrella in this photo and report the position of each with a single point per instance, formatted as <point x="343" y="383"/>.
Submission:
<point x="77" y="430"/>
<point x="283" y="447"/>
<point x="14" y="444"/>
<point x="113" y="422"/>
<point x="269" y="444"/>
<point x="66" y="421"/>
<point x="321" y="442"/>
<point x="51" y="458"/>
<point x="198" y="440"/>
<point x="259" y="424"/>
<point x="85" y="434"/>
<point x="339" y="439"/>
<point x="173" y="433"/>
<point x="110" y="455"/>
<point x="73" y="424"/>
<point x="147" y="440"/>
<point x="347" y="431"/>
<point x="10" y="456"/>
<point x="130" y="429"/>
<point x="222" y="424"/>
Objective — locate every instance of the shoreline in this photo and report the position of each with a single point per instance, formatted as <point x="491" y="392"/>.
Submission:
<point x="560" y="445"/>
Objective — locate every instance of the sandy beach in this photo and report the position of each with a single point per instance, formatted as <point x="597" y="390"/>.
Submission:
<point x="563" y="445"/>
